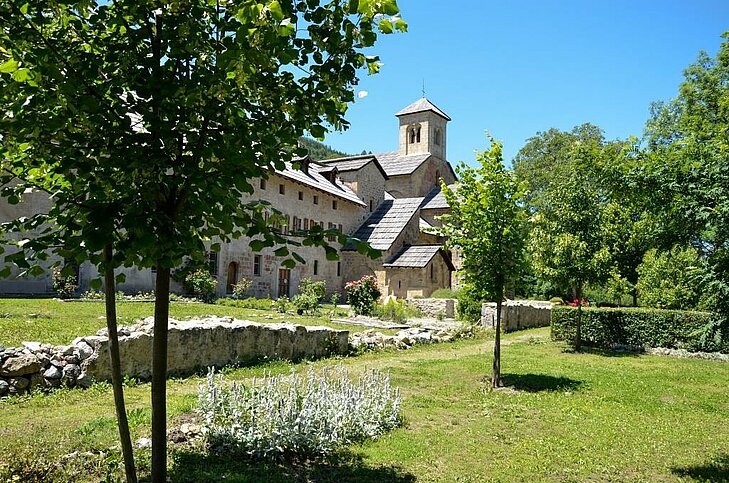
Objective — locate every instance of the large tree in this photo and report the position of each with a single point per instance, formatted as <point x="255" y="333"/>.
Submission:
<point x="146" y="121"/>
<point x="486" y="223"/>
<point x="687" y="157"/>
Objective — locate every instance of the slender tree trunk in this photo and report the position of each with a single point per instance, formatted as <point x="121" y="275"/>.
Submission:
<point x="159" y="375"/>
<point x="578" y="335"/>
<point x="496" y="373"/>
<point x="116" y="375"/>
<point x="635" y="297"/>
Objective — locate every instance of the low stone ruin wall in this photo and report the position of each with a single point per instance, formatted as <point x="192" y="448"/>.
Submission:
<point x="517" y="314"/>
<point x="192" y="345"/>
<point x="435" y="307"/>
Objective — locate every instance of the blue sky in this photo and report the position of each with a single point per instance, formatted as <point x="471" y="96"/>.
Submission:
<point x="518" y="67"/>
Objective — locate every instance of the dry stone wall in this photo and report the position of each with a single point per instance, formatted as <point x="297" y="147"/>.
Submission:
<point x="517" y="314"/>
<point x="193" y="345"/>
<point x="435" y="307"/>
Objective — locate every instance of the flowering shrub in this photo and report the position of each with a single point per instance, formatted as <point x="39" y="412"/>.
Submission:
<point x="582" y="302"/>
<point x="241" y="287"/>
<point x="362" y="293"/>
<point x="306" y="415"/>
<point x="64" y="285"/>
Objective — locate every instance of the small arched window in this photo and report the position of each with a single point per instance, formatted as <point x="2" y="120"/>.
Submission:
<point x="437" y="137"/>
<point x="417" y="134"/>
<point x="412" y="135"/>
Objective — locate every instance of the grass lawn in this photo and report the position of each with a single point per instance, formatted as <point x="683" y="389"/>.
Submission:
<point x="567" y="417"/>
<point x="57" y="322"/>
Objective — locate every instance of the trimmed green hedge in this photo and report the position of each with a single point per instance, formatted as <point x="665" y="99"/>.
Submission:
<point x="673" y="329"/>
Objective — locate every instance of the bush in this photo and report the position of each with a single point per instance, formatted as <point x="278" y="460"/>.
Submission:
<point x="362" y="293"/>
<point x="317" y="288"/>
<point x="673" y="329"/>
<point x="241" y="287"/>
<point x="304" y="415"/>
<point x="201" y="284"/>
<point x="281" y="304"/>
<point x="397" y="311"/>
<point x="469" y="307"/>
<point x="557" y="301"/>
<point x="336" y="296"/>
<point x="64" y="284"/>
<point x="305" y="303"/>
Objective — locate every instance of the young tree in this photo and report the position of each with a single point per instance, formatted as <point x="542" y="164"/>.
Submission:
<point x="147" y="120"/>
<point x="486" y="223"/>
<point x="566" y="243"/>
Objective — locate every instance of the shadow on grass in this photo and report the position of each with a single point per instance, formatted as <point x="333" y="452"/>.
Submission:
<point x="716" y="469"/>
<point x="346" y="467"/>
<point x="539" y="382"/>
<point x="600" y="351"/>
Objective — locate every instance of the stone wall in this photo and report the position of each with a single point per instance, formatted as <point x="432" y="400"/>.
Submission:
<point x="435" y="307"/>
<point x="517" y="314"/>
<point x="193" y="345"/>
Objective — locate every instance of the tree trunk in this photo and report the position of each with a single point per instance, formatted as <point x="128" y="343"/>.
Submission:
<point x="116" y="376"/>
<point x="578" y="334"/>
<point x="496" y="373"/>
<point x="635" y="297"/>
<point x="159" y="375"/>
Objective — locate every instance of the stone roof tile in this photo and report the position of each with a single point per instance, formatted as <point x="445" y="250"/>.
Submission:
<point x="421" y="105"/>
<point x="386" y="223"/>
<point x="413" y="256"/>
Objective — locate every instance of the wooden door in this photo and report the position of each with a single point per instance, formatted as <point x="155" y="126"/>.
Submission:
<point x="232" y="277"/>
<point x="284" y="282"/>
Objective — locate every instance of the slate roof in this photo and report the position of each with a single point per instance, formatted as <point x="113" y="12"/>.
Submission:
<point x="424" y="225"/>
<point x="435" y="200"/>
<point x="421" y="105"/>
<point x="394" y="164"/>
<point x="354" y="163"/>
<point x="314" y="179"/>
<point x="386" y="223"/>
<point x="415" y="256"/>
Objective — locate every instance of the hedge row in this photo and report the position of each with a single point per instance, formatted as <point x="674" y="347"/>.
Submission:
<point x="673" y="329"/>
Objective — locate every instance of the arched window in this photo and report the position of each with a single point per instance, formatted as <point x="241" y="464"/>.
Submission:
<point x="437" y="137"/>
<point x="232" y="277"/>
<point x="412" y="135"/>
<point x="417" y="134"/>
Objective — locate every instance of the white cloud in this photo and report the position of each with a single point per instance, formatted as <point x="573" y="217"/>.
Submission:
<point x="362" y="94"/>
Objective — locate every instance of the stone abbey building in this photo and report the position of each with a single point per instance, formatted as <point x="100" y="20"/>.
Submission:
<point x="387" y="199"/>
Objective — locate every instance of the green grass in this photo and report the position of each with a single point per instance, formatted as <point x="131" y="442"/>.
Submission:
<point x="566" y="417"/>
<point x="57" y="322"/>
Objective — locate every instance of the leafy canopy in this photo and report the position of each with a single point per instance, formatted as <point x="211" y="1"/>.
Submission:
<point x="486" y="222"/>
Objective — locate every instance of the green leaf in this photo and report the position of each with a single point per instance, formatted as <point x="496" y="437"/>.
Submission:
<point x="121" y="278"/>
<point x="95" y="283"/>
<point x="281" y="252"/>
<point x="257" y="245"/>
<point x="288" y="263"/>
<point x="9" y="66"/>
<point x="385" y="26"/>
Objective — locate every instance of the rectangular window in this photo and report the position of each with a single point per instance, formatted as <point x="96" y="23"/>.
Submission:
<point x="432" y="275"/>
<point x="213" y="262"/>
<point x="262" y="184"/>
<point x="281" y="189"/>
<point x="316" y="199"/>
<point x="306" y="223"/>
<point x="296" y="226"/>
<point x="339" y="269"/>
<point x="370" y="206"/>
<point x="334" y="204"/>
<point x="287" y="225"/>
<point x="316" y="267"/>
<point x="331" y="237"/>
<point x="301" y="195"/>
<point x="256" y="265"/>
